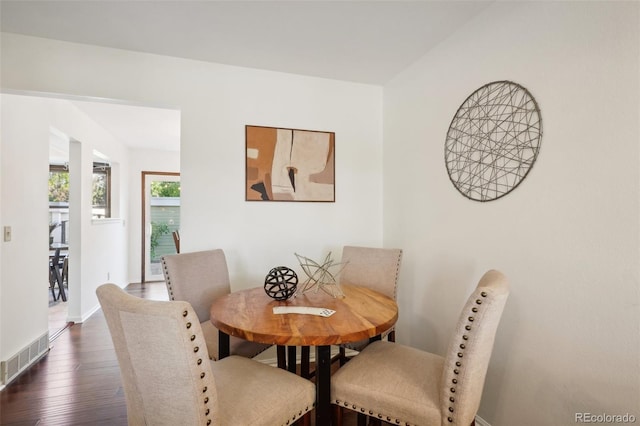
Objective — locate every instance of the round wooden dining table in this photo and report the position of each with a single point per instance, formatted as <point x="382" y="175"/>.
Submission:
<point x="362" y="313"/>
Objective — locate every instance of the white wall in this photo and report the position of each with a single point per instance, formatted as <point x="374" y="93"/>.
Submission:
<point x="26" y="124"/>
<point x="216" y="102"/>
<point x="24" y="271"/>
<point x="149" y="161"/>
<point x="567" y="237"/>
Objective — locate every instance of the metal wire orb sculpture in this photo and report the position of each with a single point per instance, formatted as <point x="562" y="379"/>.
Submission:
<point x="493" y="141"/>
<point x="319" y="275"/>
<point x="280" y="283"/>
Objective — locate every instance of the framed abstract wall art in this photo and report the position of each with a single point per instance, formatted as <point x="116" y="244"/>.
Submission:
<point x="289" y="164"/>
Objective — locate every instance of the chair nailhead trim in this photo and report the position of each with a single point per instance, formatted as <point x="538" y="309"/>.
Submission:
<point x="381" y="416"/>
<point x="462" y="346"/>
<point x="192" y="337"/>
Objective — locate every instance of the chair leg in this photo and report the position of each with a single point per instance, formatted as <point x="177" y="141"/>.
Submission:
<point x="61" y="290"/>
<point x="57" y="278"/>
<point x="391" y="337"/>
<point x="52" y="284"/>
<point x="336" y="415"/>
<point x="304" y="420"/>
<point x="362" y="419"/>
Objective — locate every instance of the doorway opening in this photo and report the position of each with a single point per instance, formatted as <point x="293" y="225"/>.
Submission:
<point x="58" y="232"/>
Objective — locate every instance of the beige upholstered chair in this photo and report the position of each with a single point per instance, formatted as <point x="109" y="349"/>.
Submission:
<point x="198" y="278"/>
<point x="413" y="387"/>
<point x="376" y="268"/>
<point x="169" y="380"/>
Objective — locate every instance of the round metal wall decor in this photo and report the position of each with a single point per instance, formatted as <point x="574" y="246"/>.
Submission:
<point x="493" y="141"/>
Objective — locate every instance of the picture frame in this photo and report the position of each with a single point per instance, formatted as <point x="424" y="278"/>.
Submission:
<point x="284" y="164"/>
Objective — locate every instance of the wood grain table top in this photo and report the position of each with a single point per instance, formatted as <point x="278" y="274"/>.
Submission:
<point x="361" y="314"/>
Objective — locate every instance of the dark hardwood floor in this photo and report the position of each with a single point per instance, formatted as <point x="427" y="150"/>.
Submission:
<point x="78" y="381"/>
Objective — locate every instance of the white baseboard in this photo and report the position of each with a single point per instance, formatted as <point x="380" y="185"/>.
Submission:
<point x="481" y="422"/>
<point x="79" y="320"/>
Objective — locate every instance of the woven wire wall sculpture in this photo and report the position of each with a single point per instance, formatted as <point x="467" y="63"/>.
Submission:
<point x="493" y="141"/>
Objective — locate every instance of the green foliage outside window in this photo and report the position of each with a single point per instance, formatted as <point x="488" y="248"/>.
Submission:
<point x="99" y="193"/>
<point x="165" y="189"/>
<point x="157" y="230"/>
<point x="59" y="187"/>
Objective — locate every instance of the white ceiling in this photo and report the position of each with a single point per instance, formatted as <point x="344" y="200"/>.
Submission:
<point x="135" y="126"/>
<point x="361" y="41"/>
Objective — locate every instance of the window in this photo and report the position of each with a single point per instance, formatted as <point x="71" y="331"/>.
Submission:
<point x="101" y="191"/>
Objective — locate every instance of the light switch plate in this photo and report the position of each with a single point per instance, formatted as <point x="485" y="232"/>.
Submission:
<point x="7" y="233"/>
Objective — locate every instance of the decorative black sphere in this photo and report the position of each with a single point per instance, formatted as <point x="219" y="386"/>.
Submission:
<point x="280" y="283"/>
